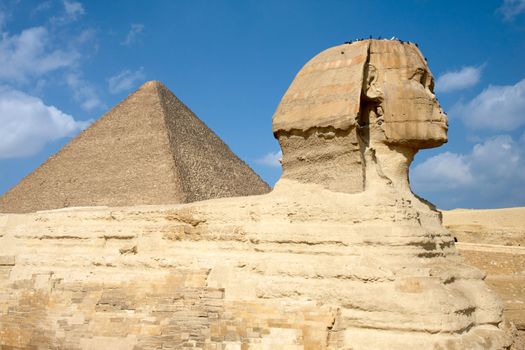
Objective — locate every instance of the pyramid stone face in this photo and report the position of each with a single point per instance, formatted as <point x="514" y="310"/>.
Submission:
<point x="203" y="160"/>
<point x="149" y="149"/>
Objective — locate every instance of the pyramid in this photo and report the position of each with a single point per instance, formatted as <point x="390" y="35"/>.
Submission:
<point x="149" y="149"/>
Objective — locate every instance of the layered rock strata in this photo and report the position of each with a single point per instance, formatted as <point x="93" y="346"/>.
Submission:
<point x="314" y="270"/>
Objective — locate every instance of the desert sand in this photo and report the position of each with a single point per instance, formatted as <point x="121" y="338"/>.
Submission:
<point x="494" y="241"/>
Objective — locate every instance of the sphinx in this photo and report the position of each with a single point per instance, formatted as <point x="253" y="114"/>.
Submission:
<point x="370" y="97"/>
<point x="340" y="255"/>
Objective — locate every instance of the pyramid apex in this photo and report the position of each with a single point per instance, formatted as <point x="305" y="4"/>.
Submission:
<point x="151" y="84"/>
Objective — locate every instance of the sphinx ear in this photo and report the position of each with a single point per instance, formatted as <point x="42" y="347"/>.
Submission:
<point x="371" y="86"/>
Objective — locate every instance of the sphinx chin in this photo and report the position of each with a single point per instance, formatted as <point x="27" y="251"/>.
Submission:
<point x="428" y="135"/>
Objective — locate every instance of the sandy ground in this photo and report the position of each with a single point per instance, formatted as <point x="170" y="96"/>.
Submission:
<point x="494" y="241"/>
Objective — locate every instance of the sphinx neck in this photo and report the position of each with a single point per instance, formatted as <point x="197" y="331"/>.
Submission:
<point x="390" y="165"/>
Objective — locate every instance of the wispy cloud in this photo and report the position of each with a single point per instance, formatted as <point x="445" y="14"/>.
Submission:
<point x="445" y="171"/>
<point x="125" y="80"/>
<point x="37" y="55"/>
<point x="31" y="54"/>
<point x="492" y="174"/>
<point x="73" y="9"/>
<point x="458" y="80"/>
<point x="510" y="9"/>
<point x="41" y="7"/>
<point x="28" y="124"/>
<point x="495" y="108"/>
<point x="85" y="36"/>
<point x="136" y="30"/>
<point x="84" y="92"/>
<point x="71" y="12"/>
<point x="272" y="159"/>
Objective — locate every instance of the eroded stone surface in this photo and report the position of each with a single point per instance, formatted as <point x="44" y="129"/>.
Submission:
<point x="313" y="270"/>
<point x="352" y="101"/>
<point x="340" y="255"/>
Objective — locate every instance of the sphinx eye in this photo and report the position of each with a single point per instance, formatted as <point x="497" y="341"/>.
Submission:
<point x="420" y="75"/>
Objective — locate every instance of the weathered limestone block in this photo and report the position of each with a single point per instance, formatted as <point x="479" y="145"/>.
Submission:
<point x="7" y="260"/>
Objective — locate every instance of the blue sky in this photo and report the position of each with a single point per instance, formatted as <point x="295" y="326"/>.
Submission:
<point x="64" y="63"/>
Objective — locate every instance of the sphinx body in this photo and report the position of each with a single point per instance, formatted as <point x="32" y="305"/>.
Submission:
<point x="340" y="255"/>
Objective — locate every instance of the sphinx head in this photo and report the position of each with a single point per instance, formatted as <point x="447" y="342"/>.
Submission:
<point x="398" y="97"/>
<point x="351" y="98"/>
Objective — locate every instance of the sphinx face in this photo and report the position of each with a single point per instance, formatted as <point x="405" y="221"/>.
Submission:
<point x="411" y="113"/>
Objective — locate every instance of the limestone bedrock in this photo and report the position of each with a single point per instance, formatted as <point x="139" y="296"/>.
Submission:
<point x="340" y="255"/>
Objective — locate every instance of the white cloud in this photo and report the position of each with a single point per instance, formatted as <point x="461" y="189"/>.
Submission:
<point x="73" y="9"/>
<point x="491" y="175"/>
<point x="34" y="55"/>
<point x="272" y="159"/>
<point x="134" y="32"/>
<point x="85" y="36"/>
<point x="459" y="80"/>
<point x="28" y="124"/>
<point x="510" y="9"/>
<point x="443" y="172"/>
<point x="125" y="80"/>
<point x="30" y="54"/>
<point x="495" y="108"/>
<point x="84" y="92"/>
<point x="42" y="7"/>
